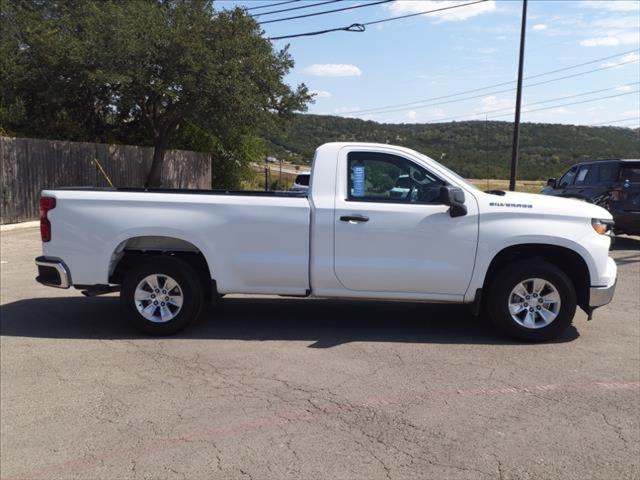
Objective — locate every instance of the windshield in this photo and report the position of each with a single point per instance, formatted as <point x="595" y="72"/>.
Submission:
<point x="451" y="172"/>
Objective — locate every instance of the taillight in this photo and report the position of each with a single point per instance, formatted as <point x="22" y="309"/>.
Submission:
<point x="46" y="204"/>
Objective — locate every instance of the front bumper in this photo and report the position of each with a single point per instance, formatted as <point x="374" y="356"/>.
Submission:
<point x="602" y="293"/>
<point x="600" y="296"/>
<point x="53" y="273"/>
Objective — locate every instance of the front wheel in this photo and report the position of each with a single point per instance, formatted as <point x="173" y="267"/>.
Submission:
<point x="532" y="301"/>
<point x="162" y="296"/>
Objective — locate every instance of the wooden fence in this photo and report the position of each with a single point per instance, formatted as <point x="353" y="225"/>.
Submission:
<point x="29" y="165"/>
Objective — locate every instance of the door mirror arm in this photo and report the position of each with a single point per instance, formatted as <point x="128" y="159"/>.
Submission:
<point x="552" y="182"/>
<point x="454" y="197"/>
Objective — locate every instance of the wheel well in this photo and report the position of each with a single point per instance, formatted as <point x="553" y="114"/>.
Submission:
<point x="569" y="261"/>
<point x="134" y="251"/>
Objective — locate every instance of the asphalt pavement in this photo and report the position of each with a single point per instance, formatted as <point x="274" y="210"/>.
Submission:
<point x="267" y="388"/>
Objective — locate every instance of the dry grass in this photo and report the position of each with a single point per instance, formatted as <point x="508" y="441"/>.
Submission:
<point x="256" y="181"/>
<point x="529" y="186"/>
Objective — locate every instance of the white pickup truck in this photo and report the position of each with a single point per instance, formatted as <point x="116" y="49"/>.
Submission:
<point x="524" y="260"/>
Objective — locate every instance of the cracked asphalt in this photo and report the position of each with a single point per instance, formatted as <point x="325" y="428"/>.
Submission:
<point x="266" y="388"/>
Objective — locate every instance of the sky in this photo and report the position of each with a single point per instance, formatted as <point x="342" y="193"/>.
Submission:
<point x="398" y="71"/>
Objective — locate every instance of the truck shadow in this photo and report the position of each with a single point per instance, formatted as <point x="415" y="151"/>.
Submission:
<point x="626" y="243"/>
<point x="325" y="323"/>
<point x="631" y="246"/>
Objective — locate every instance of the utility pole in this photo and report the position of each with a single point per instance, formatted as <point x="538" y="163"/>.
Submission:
<point x="516" y="125"/>
<point x="486" y="148"/>
<point x="266" y="174"/>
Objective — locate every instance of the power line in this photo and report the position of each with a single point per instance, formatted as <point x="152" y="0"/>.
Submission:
<point x="442" y="120"/>
<point x="354" y="27"/>
<point x="434" y="104"/>
<point x="272" y="5"/>
<point x="478" y="114"/>
<point x="473" y="97"/>
<point x="571" y="67"/>
<point x="417" y="107"/>
<point x="413" y="104"/>
<point x="421" y="13"/>
<point x="620" y="120"/>
<point x="324" y="12"/>
<point x="556" y="99"/>
<point x="296" y="8"/>
<point x="573" y="103"/>
<point x="362" y="26"/>
<point x="547" y="108"/>
<point x="580" y="94"/>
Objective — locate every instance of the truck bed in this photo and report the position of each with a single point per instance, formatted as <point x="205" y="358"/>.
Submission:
<point x="254" y="242"/>
<point x="249" y="193"/>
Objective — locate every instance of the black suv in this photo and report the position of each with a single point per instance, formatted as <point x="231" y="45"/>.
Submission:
<point x="612" y="184"/>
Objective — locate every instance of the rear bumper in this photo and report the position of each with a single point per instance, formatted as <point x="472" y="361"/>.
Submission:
<point x="53" y="273"/>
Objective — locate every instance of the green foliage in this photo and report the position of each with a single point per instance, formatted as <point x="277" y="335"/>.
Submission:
<point x="172" y="73"/>
<point x="143" y="72"/>
<point x="473" y="149"/>
<point x="232" y="161"/>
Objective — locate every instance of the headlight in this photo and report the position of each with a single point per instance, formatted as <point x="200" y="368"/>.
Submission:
<point x="603" y="227"/>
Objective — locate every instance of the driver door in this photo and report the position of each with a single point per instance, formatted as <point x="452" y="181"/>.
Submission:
<point x="392" y="234"/>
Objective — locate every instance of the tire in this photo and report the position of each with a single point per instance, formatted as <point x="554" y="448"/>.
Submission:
<point x="183" y="302"/>
<point x="547" y="320"/>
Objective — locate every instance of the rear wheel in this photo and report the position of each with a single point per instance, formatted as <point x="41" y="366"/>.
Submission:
<point x="162" y="296"/>
<point x="532" y="301"/>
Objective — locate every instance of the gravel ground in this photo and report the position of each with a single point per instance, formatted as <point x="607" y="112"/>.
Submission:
<point x="269" y="388"/>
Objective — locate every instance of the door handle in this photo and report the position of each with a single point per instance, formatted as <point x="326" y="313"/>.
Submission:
<point x="354" y="218"/>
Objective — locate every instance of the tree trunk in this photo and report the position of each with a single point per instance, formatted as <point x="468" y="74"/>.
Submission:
<point x="213" y="171"/>
<point x="154" y="179"/>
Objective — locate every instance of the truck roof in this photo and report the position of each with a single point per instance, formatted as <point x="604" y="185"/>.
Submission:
<point x="622" y="160"/>
<point x="360" y="144"/>
<point x="333" y="147"/>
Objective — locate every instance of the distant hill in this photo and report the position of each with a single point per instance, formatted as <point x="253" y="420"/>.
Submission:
<point x="473" y="149"/>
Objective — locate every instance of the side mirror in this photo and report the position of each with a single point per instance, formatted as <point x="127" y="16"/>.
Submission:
<point x="454" y="197"/>
<point x="552" y="182"/>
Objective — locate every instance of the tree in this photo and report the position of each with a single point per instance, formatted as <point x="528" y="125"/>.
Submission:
<point x="474" y="149"/>
<point x="145" y="70"/>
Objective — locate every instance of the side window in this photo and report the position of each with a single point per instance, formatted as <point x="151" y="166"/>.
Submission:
<point x="608" y="173"/>
<point x="630" y="174"/>
<point x="567" y="178"/>
<point x="381" y="177"/>
<point x="583" y="175"/>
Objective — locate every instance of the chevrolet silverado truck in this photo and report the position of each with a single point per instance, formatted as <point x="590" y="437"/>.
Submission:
<point x="526" y="261"/>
